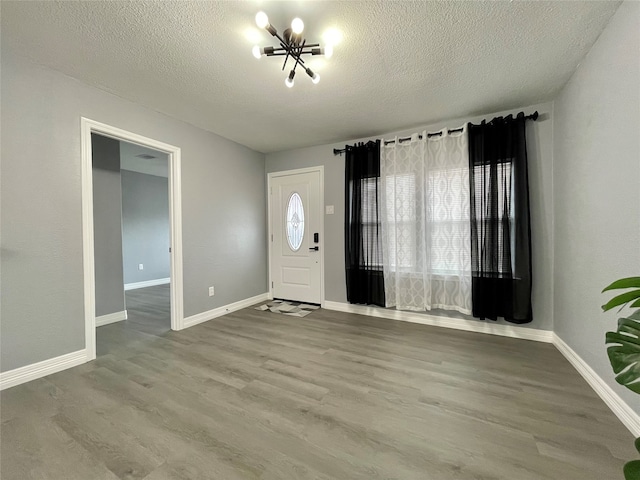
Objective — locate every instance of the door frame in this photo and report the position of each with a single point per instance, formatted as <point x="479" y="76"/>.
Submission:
<point x="286" y="173"/>
<point x="87" y="127"/>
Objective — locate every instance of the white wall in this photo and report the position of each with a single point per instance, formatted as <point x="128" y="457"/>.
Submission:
<point x="223" y="188"/>
<point x="597" y="189"/>
<point x="540" y="149"/>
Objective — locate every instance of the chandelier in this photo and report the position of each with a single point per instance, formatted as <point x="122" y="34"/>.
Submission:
<point x="292" y="46"/>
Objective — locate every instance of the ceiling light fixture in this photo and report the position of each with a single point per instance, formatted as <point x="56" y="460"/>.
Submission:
<point x="291" y="45"/>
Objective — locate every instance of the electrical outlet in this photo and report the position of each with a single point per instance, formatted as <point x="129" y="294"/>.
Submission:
<point x="212" y="292"/>
<point x="140" y="266"/>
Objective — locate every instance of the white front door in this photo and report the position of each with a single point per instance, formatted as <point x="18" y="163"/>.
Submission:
<point x="296" y="241"/>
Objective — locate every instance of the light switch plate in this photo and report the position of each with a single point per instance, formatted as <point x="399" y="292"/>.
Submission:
<point x="329" y="210"/>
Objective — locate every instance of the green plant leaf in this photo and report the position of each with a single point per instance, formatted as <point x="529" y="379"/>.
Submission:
<point x="629" y="326"/>
<point x="622" y="299"/>
<point x="624" y="351"/>
<point x="630" y="282"/>
<point x="632" y="470"/>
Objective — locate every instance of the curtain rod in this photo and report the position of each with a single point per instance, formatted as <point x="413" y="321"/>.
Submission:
<point x="340" y="151"/>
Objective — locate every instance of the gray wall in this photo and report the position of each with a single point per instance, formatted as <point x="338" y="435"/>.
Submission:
<point x="107" y="225"/>
<point x="145" y="226"/>
<point x="597" y="194"/>
<point x="223" y="200"/>
<point x="540" y="147"/>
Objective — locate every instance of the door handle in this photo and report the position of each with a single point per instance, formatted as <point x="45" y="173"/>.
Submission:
<point x="315" y="249"/>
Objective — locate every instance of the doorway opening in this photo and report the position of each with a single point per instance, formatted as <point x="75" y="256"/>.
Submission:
<point x="131" y="242"/>
<point x="132" y="237"/>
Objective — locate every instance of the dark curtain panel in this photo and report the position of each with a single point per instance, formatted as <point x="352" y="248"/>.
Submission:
<point x="362" y="234"/>
<point x="500" y="223"/>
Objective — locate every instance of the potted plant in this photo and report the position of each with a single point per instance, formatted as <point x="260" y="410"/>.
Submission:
<point x="624" y="348"/>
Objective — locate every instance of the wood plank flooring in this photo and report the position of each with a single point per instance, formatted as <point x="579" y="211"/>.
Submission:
<point x="149" y="316"/>
<point x="259" y="395"/>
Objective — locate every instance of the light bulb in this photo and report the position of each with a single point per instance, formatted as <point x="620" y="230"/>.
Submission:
<point x="289" y="80"/>
<point x="315" y="78"/>
<point x="262" y="20"/>
<point x="333" y="36"/>
<point x="297" y="26"/>
<point x="328" y="50"/>
<point x="257" y="52"/>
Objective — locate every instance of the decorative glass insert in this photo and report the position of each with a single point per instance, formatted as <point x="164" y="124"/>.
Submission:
<point x="295" y="222"/>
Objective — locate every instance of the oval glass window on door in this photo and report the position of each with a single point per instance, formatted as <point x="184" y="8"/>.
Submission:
<point x="295" y="222"/>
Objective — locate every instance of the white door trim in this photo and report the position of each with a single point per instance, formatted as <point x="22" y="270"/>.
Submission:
<point x="272" y="175"/>
<point x="87" y="127"/>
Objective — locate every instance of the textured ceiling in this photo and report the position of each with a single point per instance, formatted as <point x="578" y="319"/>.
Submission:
<point x="400" y="63"/>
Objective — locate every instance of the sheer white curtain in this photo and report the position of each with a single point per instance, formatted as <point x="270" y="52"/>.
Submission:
<point x="426" y="233"/>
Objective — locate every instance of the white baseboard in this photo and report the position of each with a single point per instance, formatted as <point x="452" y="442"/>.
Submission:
<point x="111" y="318"/>
<point x="41" y="369"/>
<point x="618" y="406"/>
<point x="147" y="283"/>
<point x="218" y="312"/>
<point x="446" y="322"/>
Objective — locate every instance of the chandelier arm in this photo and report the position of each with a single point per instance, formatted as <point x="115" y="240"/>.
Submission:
<point x="297" y="55"/>
<point x="287" y="48"/>
<point x="294" y="52"/>
<point x="286" y="58"/>
<point x="280" y="39"/>
<point x="308" y="45"/>
<point x="281" y="54"/>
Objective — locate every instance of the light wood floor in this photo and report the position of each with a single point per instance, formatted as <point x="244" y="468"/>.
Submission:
<point x="259" y="395"/>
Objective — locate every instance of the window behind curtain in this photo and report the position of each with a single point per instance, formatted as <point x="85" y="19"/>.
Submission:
<point x="500" y="220"/>
<point x="363" y="247"/>
<point x="447" y="223"/>
<point x="449" y="220"/>
<point x="401" y="218"/>
<point x="371" y="254"/>
<point x="490" y="215"/>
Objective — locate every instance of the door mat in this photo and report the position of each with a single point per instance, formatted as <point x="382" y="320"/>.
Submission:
<point x="293" y="309"/>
